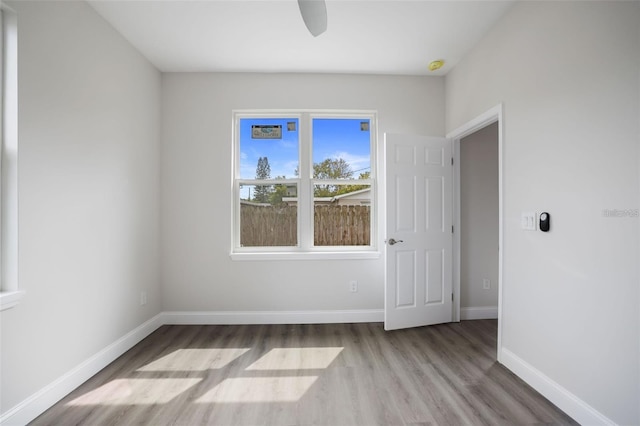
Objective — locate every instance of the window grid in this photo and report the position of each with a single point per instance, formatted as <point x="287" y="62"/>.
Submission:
<point x="305" y="183"/>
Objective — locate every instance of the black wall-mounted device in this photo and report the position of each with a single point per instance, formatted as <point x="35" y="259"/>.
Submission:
<point x="545" y="221"/>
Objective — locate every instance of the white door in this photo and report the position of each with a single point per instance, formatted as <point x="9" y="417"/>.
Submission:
<point x="419" y="234"/>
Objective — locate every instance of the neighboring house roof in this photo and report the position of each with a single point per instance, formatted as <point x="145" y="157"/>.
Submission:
<point x="362" y="196"/>
<point x="366" y="191"/>
<point x="252" y="203"/>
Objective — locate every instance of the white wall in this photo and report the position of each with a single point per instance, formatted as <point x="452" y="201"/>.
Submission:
<point x="89" y="114"/>
<point x="568" y="75"/>
<point x="197" y="272"/>
<point x="479" y="218"/>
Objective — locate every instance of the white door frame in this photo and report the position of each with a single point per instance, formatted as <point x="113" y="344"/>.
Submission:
<point x="491" y="116"/>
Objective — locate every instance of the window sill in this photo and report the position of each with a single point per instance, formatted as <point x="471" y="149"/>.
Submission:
<point x="9" y="299"/>
<point x="345" y="255"/>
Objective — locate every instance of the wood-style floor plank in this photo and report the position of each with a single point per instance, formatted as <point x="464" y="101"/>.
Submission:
<point x="331" y="374"/>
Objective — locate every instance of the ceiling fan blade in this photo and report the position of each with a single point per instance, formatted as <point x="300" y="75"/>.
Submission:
<point x="314" y="14"/>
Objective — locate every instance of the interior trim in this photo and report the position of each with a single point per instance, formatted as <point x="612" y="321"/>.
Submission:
<point x="273" y="317"/>
<point x="578" y="409"/>
<point x="479" y="312"/>
<point x="39" y="402"/>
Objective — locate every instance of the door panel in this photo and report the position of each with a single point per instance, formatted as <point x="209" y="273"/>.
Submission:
<point x="405" y="279"/>
<point x="405" y="215"/>
<point x="434" y="286"/>
<point x="418" y="284"/>
<point x="435" y="202"/>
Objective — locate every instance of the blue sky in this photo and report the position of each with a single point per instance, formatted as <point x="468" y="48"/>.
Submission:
<point x="332" y="138"/>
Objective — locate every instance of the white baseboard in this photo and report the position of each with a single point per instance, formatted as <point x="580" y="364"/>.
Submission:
<point x="579" y="410"/>
<point x="482" y="312"/>
<point x="39" y="402"/>
<point x="42" y="400"/>
<point x="273" y="317"/>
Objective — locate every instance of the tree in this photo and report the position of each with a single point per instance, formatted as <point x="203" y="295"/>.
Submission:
<point x="279" y="191"/>
<point x="263" y="171"/>
<point x="345" y="189"/>
<point x="330" y="168"/>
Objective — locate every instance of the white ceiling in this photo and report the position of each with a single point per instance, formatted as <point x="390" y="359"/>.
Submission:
<point x="371" y="37"/>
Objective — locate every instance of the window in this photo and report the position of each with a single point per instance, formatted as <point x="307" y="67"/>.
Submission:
<point x="304" y="183"/>
<point x="9" y="294"/>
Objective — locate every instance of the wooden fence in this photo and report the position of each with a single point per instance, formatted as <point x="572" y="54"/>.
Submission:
<point x="334" y="225"/>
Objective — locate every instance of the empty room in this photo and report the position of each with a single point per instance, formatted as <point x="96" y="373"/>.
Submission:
<point x="320" y="212"/>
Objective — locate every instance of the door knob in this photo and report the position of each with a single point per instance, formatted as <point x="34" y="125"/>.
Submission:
<point x="392" y="241"/>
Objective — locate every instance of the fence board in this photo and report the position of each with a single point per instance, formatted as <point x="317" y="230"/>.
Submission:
<point x="334" y="225"/>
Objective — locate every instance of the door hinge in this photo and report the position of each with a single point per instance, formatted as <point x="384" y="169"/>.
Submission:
<point x="452" y="297"/>
<point x="452" y="231"/>
<point x="452" y="161"/>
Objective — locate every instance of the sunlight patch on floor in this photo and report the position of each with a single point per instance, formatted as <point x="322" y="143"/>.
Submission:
<point x="135" y="391"/>
<point x="195" y="359"/>
<point x="296" y="358"/>
<point x="259" y="389"/>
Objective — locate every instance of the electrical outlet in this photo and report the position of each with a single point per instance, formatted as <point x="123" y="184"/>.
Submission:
<point x="143" y="298"/>
<point x="353" y="286"/>
<point x="486" y="284"/>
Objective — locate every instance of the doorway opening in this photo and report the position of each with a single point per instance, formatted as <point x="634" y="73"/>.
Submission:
<point x="478" y="219"/>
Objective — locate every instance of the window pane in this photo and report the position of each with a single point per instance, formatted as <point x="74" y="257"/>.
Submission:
<point x="268" y="148"/>
<point x="343" y="219"/>
<point x="341" y="148"/>
<point x="268" y="215"/>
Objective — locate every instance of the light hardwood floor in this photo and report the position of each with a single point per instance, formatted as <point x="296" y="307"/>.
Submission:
<point x="334" y="374"/>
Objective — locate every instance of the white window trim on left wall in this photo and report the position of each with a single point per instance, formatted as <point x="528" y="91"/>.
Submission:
<point x="10" y="293"/>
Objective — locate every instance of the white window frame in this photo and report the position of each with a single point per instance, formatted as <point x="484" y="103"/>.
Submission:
<point x="305" y="248"/>
<point x="10" y="294"/>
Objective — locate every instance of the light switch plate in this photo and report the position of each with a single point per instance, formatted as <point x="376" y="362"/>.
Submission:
<point x="528" y="221"/>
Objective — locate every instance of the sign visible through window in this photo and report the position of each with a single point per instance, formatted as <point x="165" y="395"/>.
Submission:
<point x="266" y="131"/>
